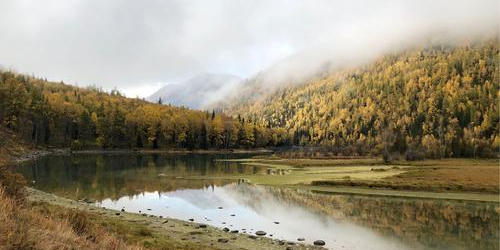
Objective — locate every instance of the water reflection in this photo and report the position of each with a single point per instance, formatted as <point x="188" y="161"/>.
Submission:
<point x="165" y="184"/>
<point x="344" y="222"/>
<point x="420" y="223"/>
<point x="114" y="176"/>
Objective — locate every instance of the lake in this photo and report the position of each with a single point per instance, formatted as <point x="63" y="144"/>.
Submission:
<point x="198" y="187"/>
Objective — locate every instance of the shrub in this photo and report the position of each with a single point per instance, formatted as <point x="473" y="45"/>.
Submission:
<point x="100" y="142"/>
<point x="12" y="183"/>
<point x="431" y="146"/>
<point x="414" y="155"/>
<point x="76" y="145"/>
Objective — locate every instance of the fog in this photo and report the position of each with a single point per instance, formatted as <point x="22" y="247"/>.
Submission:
<point x="138" y="46"/>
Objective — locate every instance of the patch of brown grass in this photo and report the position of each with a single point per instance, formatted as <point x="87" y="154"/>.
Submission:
<point x="459" y="178"/>
<point x="483" y="178"/>
<point x="22" y="227"/>
<point x="91" y="225"/>
<point x="13" y="183"/>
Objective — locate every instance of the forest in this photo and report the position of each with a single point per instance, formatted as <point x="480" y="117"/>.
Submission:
<point x="434" y="101"/>
<point x="61" y="115"/>
<point x="429" y="102"/>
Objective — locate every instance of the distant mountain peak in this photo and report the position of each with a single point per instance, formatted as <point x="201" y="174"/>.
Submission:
<point x="198" y="91"/>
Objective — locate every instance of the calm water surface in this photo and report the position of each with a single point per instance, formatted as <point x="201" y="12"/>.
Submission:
<point x="196" y="186"/>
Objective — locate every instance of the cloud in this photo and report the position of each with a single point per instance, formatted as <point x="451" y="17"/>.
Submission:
<point x="134" y="45"/>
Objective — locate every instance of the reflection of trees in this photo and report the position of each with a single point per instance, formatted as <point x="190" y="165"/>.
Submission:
<point x="434" y="223"/>
<point x="112" y="176"/>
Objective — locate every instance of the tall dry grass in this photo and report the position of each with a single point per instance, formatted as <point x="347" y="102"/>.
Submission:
<point x="23" y="228"/>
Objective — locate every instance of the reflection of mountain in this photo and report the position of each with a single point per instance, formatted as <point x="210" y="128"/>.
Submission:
<point x="115" y="176"/>
<point x="202" y="198"/>
<point x="432" y="223"/>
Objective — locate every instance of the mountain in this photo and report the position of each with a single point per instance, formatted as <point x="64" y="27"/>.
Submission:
<point x="438" y="100"/>
<point x="197" y="92"/>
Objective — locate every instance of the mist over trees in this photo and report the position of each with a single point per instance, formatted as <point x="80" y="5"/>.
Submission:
<point x="437" y="101"/>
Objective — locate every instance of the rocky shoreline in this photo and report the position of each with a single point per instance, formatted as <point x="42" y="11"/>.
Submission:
<point x="187" y="232"/>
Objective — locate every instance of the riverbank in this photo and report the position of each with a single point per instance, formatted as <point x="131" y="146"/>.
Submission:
<point x="154" y="232"/>
<point x="165" y="151"/>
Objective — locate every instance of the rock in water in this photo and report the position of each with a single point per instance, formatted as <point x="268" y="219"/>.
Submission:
<point x="319" y="243"/>
<point x="301" y="239"/>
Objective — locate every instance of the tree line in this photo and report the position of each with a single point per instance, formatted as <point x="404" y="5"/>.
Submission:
<point x="61" y="115"/>
<point x="435" y="101"/>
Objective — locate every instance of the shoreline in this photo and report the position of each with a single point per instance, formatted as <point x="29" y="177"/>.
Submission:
<point x="174" y="230"/>
<point x="66" y="151"/>
<point x="170" y="151"/>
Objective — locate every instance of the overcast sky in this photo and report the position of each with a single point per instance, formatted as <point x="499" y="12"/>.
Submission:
<point x="138" y="46"/>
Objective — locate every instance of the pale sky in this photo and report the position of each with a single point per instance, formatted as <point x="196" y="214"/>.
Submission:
<point x="138" y="46"/>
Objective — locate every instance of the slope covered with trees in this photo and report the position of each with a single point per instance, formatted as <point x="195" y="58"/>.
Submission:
<point x="437" y="101"/>
<point x="61" y="115"/>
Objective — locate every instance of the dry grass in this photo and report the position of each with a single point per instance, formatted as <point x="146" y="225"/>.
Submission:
<point x="22" y="227"/>
<point x="451" y="174"/>
<point x="85" y="222"/>
<point x="459" y="178"/>
<point x="469" y="175"/>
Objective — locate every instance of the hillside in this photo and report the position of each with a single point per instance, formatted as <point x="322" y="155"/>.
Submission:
<point x="435" y="101"/>
<point x="11" y="146"/>
<point x="197" y="92"/>
<point x="60" y="115"/>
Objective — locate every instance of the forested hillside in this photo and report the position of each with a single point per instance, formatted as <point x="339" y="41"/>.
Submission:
<point x="61" y="115"/>
<point x="436" y="101"/>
